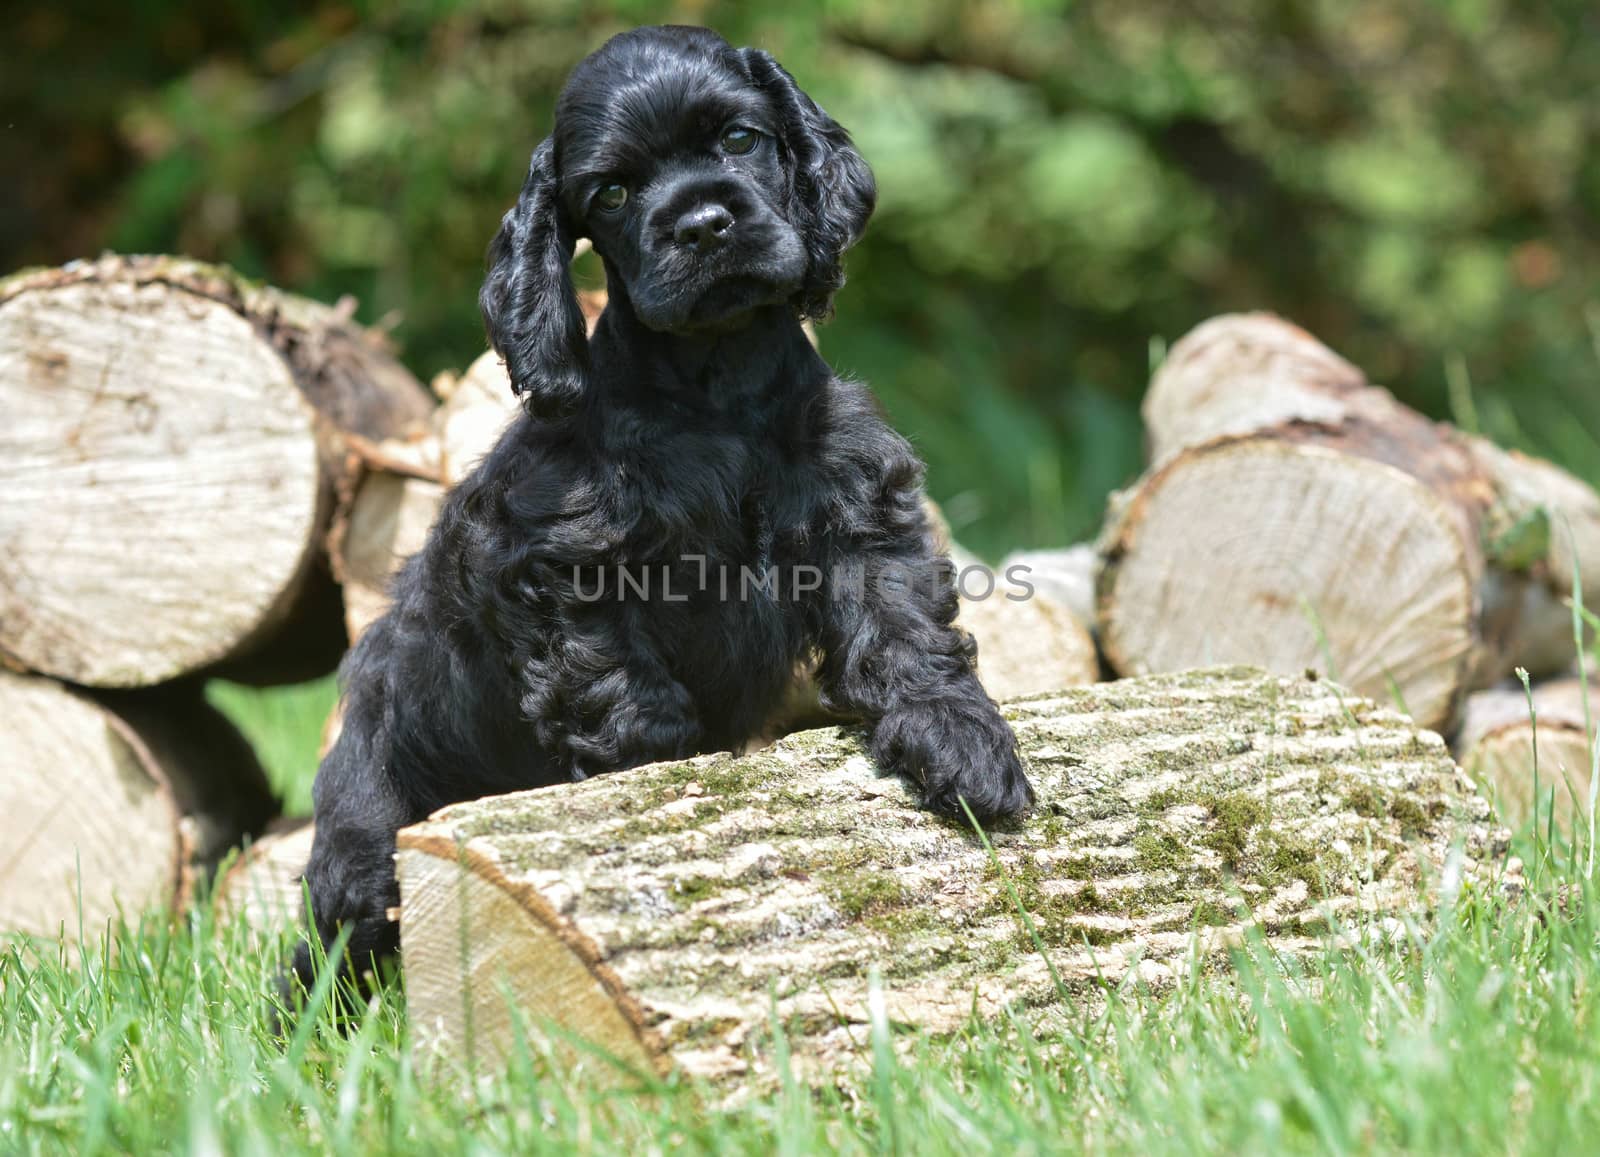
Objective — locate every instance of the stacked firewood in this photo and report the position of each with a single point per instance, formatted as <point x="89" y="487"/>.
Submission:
<point x="1296" y="517"/>
<point x="208" y="478"/>
<point x="211" y="478"/>
<point x="178" y="444"/>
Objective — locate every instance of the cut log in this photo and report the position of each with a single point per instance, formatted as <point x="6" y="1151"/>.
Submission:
<point x="1029" y="641"/>
<point x="262" y="887"/>
<point x="1497" y="747"/>
<point x="174" y="444"/>
<point x="1066" y="575"/>
<point x="115" y="802"/>
<point x="1032" y="629"/>
<point x="400" y="492"/>
<point x="477" y="408"/>
<point x="479" y="405"/>
<point x="658" y="913"/>
<point x="388" y="523"/>
<point x="1295" y="517"/>
<point x="399" y="496"/>
<point x="1027" y="645"/>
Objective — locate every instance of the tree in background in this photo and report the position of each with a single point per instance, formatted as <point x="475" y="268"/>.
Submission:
<point x="1063" y="187"/>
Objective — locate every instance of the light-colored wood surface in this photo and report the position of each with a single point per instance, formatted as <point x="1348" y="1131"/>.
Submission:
<point x="1507" y="747"/>
<point x="174" y="447"/>
<point x="1029" y="645"/>
<point x="1065" y="575"/>
<point x="114" y="805"/>
<point x="1296" y="517"/>
<point x="389" y="522"/>
<point x="479" y="407"/>
<point x="162" y="483"/>
<point x="262" y="887"/>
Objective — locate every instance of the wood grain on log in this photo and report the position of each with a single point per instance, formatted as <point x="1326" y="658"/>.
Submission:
<point x="174" y="443"/>
<point x="262" y="887"/>
<point x="1029" y="640"/>
<point x="1497" y="747"/>
<point x="1029" y="645"/>
<point x="1063" y="574"/>
<point x="1298" y="518"/>
<point x="389" y="522"/>
<point x="115" y="803"/>
<point x="476" y="411"/>
<point x="479" y="404"/>
<point x="661" y="912"/>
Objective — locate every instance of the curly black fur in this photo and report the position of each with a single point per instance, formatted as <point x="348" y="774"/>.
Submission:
<point x="696" y="441"/>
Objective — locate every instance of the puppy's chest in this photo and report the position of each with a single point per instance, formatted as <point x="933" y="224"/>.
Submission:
<point x="739" y="503"/>
<point x="737" y="586"/>
<point x="752" y="560"/>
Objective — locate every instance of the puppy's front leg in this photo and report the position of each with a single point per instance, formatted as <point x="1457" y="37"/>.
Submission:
<point x="360" y="806"/>
<point x="893" y="657"/>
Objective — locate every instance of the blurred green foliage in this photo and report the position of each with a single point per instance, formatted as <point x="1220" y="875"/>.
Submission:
<point x="1064" y="185"/>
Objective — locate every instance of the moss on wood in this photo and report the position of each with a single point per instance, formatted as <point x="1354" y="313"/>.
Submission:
<point x="1168" y="807"/>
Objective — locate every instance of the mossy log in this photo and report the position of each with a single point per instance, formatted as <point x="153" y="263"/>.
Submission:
<point x="116" y="801"/>
<point x="1296" y="517"/>
<point x="1508" y="746"/>
<point x="175" y="442"/>
<point x="659" y="913"/>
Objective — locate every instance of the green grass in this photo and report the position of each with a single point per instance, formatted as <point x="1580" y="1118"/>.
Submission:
<point x="1478" y="1032"/>
<point x="284" y="724"/>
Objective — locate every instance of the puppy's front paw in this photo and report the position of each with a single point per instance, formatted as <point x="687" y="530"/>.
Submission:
<point x="956" y="750"/>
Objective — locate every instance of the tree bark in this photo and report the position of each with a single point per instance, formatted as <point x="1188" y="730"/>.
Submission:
<point x="1294" y="516"/>
<point x="659" y="913"/>
<point x="176" y="441"/>
<point x="118" y="801"/>
<point x="1508" y="747"/>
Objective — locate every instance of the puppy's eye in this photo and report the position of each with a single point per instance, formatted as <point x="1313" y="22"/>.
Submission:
<point x="739" y="140"/>
<point x="610" y="198"/>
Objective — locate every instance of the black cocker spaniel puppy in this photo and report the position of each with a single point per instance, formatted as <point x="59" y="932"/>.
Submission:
<point x="691" y="506"/>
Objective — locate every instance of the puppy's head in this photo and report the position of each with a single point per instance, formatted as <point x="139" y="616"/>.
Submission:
<point x="708" y="182"/>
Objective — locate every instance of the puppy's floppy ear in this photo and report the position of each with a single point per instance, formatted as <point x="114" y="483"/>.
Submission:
<point x="528" y="303"/>
<point x="834" y="193"/>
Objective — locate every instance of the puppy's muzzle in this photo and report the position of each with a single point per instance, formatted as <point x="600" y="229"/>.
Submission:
<point x="704" y="229"/>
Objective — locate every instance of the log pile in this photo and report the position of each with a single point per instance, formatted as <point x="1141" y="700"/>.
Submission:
<point x="658" y="913"/>
<point x="1296" y="517"/>
<point x="178" y="445"/>
<point x="208" y="477"/>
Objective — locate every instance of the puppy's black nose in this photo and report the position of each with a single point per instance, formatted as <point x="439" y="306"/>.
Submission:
<point x="704" y="228"/>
